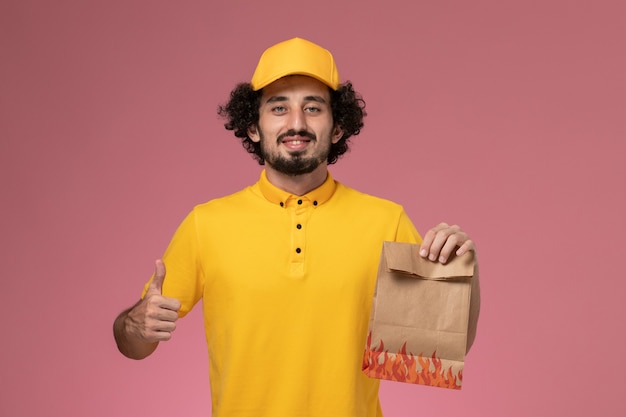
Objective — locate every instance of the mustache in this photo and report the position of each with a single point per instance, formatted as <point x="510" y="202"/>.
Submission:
<point x="292" y="132"/>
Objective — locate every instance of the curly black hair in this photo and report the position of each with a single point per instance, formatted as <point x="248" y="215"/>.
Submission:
<point x="242" y="111"/>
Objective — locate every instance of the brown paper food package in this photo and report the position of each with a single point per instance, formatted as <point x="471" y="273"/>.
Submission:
<point x="419" y="319"/>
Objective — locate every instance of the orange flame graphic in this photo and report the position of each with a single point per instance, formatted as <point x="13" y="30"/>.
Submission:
<point x="406" y="367"/>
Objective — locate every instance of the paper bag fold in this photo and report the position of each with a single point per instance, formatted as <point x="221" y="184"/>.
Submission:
<point x="419" y="319"/>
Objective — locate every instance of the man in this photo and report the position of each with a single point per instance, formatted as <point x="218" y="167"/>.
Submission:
<point x="287" y="267"/>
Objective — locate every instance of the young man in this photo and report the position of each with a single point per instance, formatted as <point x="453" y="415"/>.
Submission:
<point x="286" y="268"/>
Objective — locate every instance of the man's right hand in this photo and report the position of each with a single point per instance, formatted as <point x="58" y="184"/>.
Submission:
<point x="154" y="318"/>
<point x="139" y="329"/>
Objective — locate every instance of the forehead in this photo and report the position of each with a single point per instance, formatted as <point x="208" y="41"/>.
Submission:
<point x="296" y="86"/>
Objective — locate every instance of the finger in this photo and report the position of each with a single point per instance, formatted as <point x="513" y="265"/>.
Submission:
<point x="156" y="286"/>
<point x="161" y="330"/>
<point x="429" y="238"/>
<point x="160" y="335"/>
<point x="449" y="246"/>
<point x="171" y="304"/>
<point x="457" y="243"/>
<point x="162" y="315"/>
<point x="467" y="246"/>
<point x="166" y="326"/>
<point x="442" y="238"/>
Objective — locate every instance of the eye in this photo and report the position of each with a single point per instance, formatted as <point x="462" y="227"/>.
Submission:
<point x="278" y="109"/>
<point x="312" y="109"/>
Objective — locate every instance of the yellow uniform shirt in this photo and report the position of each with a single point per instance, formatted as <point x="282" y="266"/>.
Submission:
<point x="287" y="284"/>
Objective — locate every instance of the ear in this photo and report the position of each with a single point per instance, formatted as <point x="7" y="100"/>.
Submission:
<point x="253" y="134"/>
<point x="337" y="134"/>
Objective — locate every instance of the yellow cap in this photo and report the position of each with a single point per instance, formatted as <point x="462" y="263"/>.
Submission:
<point x="295" y="56"/>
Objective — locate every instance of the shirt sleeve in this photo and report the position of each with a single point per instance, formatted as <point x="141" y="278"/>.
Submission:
<point x="406" y="231"/>
<point x="184" y="278"/>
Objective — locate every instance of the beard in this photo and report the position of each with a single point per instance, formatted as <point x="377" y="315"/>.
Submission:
<point x="296" y="163"/>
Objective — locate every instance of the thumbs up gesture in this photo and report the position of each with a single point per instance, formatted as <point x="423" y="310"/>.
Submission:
<point x="153" y="319"/>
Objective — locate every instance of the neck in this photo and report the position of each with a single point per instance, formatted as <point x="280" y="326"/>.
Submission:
<point x="297" y="184"/>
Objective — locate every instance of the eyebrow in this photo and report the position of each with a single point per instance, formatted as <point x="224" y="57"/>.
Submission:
<point x="275" y="99"/>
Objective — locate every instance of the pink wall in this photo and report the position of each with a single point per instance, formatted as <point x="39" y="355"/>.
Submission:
<point x="507" y="117"/>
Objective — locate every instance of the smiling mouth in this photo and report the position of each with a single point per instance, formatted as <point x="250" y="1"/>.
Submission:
<point x="296" y="141"/>
<point x="294" y="136"/>
<point x="296" y="146"/>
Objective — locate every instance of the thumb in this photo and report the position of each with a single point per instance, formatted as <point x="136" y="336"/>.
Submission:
<point x="156" y="286"/>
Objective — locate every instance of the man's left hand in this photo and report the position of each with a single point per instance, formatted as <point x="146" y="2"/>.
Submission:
<point x="442" y="240"/>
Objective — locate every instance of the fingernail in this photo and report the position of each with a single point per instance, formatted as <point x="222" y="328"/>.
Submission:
<point x="423" y="252"/>
<point x="432" y="257"/>
<point x="442" y="259"/>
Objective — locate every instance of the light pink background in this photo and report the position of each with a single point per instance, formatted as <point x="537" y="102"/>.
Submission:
<point x="506" y="117"/>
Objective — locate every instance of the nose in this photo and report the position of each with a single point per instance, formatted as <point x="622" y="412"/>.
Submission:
<point x="296" y="120"/>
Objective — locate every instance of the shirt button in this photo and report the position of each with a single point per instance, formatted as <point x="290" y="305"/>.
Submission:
<point x="315" y="203"/>
<point x="299" y="201"/>
<point x="282" y="204"/>
<point x="299" y="226"/>
<point x="298" y="250"/>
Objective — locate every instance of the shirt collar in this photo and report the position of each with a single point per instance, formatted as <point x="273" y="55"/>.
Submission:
<point x="318" y="196"/>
